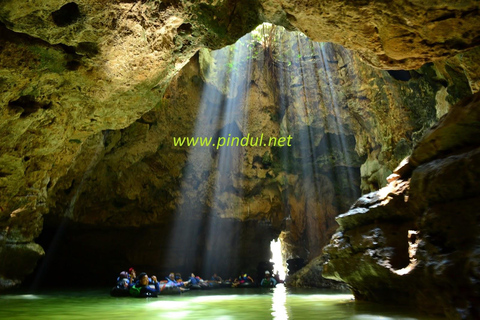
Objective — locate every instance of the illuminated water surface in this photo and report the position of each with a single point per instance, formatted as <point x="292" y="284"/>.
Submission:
<point x="278" y="303"/>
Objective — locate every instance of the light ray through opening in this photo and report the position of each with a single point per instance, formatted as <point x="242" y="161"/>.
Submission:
<point x="308" y="106"/>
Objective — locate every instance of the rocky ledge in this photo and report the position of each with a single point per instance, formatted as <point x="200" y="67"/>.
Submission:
<point x="416" y="240"/>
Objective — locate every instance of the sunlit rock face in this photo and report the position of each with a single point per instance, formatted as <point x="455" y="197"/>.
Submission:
<point x="74" y="73"/>
<point x="415" y="241"/>
<point x="388" y="34"/>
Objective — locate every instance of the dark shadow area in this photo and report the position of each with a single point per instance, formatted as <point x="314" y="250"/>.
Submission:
<point x="401" y="75"/>
<point x="66" y="15"/>
<point x="293" y="265"/>
<point x="27" y="105"/>
<point x="87" y="256"/>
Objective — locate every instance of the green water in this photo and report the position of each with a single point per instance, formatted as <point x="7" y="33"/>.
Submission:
<point x="278" y="303"/>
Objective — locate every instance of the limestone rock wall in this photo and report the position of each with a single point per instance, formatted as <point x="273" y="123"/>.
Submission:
<point x="63" y="82"/>
<point x="396" y="34"/>
<point x="415" y="241"/>
<point x="73" y="73"/>
<point x="350" y="124"/>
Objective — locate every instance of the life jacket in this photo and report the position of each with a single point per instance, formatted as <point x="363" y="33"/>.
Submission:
<point x="266" y="282"/>
<point x="243" y="278"/>
<point x="141" y="292"/>
<point x="135" y="291"/>
<point x="194" y="280"/>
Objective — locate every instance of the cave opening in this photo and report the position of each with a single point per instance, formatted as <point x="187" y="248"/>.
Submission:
<point x="265" y="88"/>
<point x="275" y="139"/>
<point x="274" y="87"/>
<point x="278" y="257"/>
<point x="272" y="147"/>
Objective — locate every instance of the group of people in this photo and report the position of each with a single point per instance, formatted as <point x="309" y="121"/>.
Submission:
<point x="129" y="284"/>
<point x="245" y="280"/>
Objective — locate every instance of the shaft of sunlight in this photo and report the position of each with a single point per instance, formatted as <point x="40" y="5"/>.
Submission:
<point x="186" y="227"/>
<point x="339" y="136"/>
<point x="230" y="162"/>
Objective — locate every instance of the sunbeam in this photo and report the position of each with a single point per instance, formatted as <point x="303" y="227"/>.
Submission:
<point x="207" y="231"/>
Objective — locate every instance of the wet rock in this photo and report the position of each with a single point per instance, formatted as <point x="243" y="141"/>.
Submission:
<point x="377" y="206"/>
<point x="310" y="276"/>
<point x="428" y="257"/>
<point x="17" y="261"/>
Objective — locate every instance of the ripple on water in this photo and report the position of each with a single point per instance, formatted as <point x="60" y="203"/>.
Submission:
<point x="228" y="304"/>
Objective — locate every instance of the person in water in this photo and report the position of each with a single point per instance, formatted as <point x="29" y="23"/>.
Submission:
<point x="132" y="275"/>
<point x="171" y="281"/>
<point x="123" y="275"/>
<point x="216" y="278"/>
<point x="123" y="285"/>
<point x="193" y="279"/>
<point x="268" y="281"/>
<point x="142" y="287"/>
<point x="125" y="279"/>
<point x="242" y="278"/>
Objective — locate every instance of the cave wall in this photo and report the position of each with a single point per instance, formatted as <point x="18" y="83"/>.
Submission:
<point x="415" y="241"/>
<point x="73" y="72"/>
<point x="102" y="252"/>
<point x="386" y="34"/>
<point x="136" y="177"/>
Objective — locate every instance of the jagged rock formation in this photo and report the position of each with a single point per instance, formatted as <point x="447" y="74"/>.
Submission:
<point x="415" y="241"/>
<point x="76" y="74"/>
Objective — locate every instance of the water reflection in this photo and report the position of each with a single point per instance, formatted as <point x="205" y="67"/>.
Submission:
<point x="376" y="317"/>
<point x="279" y="299"/>
<point x="275" y="304"/>
<point x="22" y="297"/>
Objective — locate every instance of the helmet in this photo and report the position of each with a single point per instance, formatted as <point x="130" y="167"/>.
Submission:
<point x="267" y="272"/>
<point x="123" y="283"/>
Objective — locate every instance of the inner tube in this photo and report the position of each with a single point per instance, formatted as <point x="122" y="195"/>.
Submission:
<point x="169" y="290"/>
<point x="206" y="286"/>
<point x="195" y="287"/>
<point x="247" y="285"/>
<point x="119" y="292"/>
<point x="215" y="285"/>
<point x="147" y="294"/>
